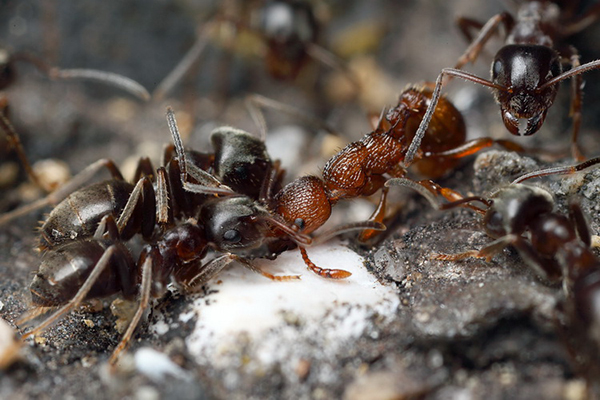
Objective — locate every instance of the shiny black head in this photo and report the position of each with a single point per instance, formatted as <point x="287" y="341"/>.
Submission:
<point x="522" y="70"/>
<point x="514" y="208"/>
<point x="239" y="225"/>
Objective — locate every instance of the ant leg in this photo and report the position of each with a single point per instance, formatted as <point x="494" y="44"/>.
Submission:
<point x="484" y="35"/>
<point x="190" y="58"/>
<point x="333" y="61"/>
<point x="15" y="142"/>
<point x="208" y="184"/>
<point x="349" y="227"/>
<point x="564" y="170"/>
<point x="195" y="275"/>
<point x="435" y="97"/>
<point x="377" y="216"/>
<point x="79" y="296"/>
<point x="582" y="22"/>
<point x="466" y="25"/>
<point x="62" y="192"/>
<point x="142" y="306"/>
<point x="324" y="272"/>
<point x="486" y="252"/>
<point x="144" y="168"/>
<point x="452" y="196"/>
<point x="272" y="277"/>
<point x="141" y="201"/>
<point x="575" y="111"/>
<point x="161" y="204"/>
<point x="430" y="190"/>
<point x="109" y="78"/>
<point x="580" y="223"/>
<point x="108" y="227"/>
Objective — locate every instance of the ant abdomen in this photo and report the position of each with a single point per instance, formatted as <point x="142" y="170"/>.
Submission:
<point x="64" y="269"/>
<point x="79" y="214"/>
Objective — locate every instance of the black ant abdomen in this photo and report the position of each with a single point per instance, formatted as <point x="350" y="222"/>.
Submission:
<point x="80" y="213"/>
<point x="64" y="269"/>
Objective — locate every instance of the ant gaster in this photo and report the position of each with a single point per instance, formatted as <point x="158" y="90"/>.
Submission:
<point x="525" y="72"/>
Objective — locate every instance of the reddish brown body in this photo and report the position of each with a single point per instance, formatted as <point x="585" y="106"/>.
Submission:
<point x="362" y="167"/>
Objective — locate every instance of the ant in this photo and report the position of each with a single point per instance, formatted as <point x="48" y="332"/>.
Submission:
<point x="288" y="28"/>
<point x="8" y="75"/>
<point x="526" y="71"/>
<point x="556" y="246"/>
<point x="175" y="211"/>
<point x="230" y="201"/>
<point x="305" y="204"/>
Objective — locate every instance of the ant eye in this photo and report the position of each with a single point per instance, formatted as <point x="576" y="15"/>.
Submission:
<point x="232" y="236"/>
<point x="497" y="69"/>
<point x="299" y="222"/>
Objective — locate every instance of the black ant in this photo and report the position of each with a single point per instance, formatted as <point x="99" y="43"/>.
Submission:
<point x="302" y="206"/>
<point x="238" y="209"/>
<point x="556" y="246"/>
<point x="176" y="213"/>
<point x="525" y="72"/>
<point x="289" y="29"/>
<point x="8" y="75"/>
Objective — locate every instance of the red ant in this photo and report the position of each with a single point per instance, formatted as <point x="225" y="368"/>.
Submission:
<point x="8" y="75"/>
<point x="525" y="72"/>
<point x="239" y="209"/>
<point x="289" y="29"/>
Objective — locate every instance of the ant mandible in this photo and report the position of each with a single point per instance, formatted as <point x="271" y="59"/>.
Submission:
<point x="8" y="75"/>
<point x="289" y="29"/>
<point x="526" y="71"/>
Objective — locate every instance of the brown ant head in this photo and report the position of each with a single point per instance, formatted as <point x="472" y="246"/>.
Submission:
<point x="237" y="225"/>
<point x="513" y="208"/>
<point x="522" y="70"/>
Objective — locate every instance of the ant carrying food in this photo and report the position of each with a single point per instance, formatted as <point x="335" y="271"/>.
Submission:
<point x="526" y="71"/>
<point x="288" y="28"/>
<point x="8" y="75"/>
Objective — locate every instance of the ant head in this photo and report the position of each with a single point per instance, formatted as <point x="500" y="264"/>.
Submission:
<point x="522" y="70"/>
<point x="237" y="225"/>
<point x="513" y="208"/>
<point x="284" y="21"/>
<point x="287" y="26"/>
